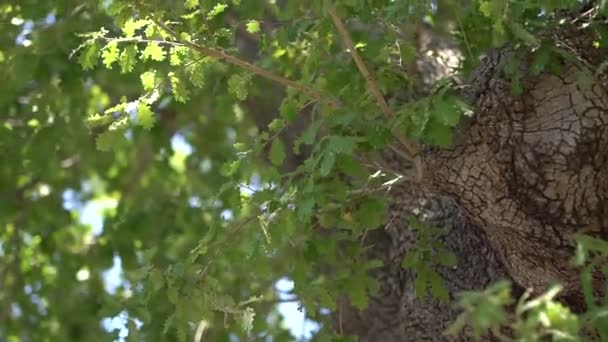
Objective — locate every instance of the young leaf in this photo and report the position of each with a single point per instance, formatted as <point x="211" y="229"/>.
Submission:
<point x="177" y="55"/>
<point x="253" y="26"/>
<point x="230" y="168"/>
<point x="110" y="54"/>
<point x="145" y="116"/>
<point x="216" y="10"/>
<point x="180" y="91"/>
<point x="154" y="52"/>
<point x="237" y="86"/>
<point x="190" y="4"/>
<point x="247" y="319"/>
<point x="131" y="26"/>
<point x="128" y="59"/>
<point x="148" y="80"/>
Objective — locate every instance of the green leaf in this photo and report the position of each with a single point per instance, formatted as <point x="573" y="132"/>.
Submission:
<point x="148" y="80"/>
<point x="492" y="8"/>
<point x="154" y="52"/>
<point x="131" y="26"/>
<point x="277" y="152"/>
<point x="446" y="111"/>
<point x="230" y="168"/>
<point x="177" y="55"/>
<point x="327" y="163"/>
<point x="128" y="59"/>
<point x="110" y="140"/>
<point x="520" y="32"/>
<point x="446" y="258"/>
<point x="341" y="144"/>
<point x="110" y="54"/>
<point x="438" y="134"/>
<point x="180" y="91"/>
<point x="97" y="120"/>
<point x="310" y="134"/>
<point x="145" y="116"/>
<point x="437" y="287"/>
<point x="253" y="26"/>
<point x="305" y="207"/>
<point x="415" y="119"/>
<point x="247" y="319"/>
<point x="190" y="4"/>
<point x="276" y="125"/>
<point x="357" y="294"/>
<point x="240" y="147"/>
<point x="371" y="213"/>
<point x="420" y="283"/>
<point x="238" y="86"/>
<point x="88" y="57"/>
<point x="289" y="109"/>
<point x="216" y="10"/>
<point x="410" y="259"/>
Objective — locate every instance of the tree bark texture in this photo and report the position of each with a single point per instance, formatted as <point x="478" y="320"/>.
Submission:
<point x="396" y="313"/>
<point x="522" y="175"/>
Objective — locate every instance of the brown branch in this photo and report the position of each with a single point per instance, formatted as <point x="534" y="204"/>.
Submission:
<point x="411" y="148"/>
<point x="374" y="88"/>
<point x="350" y="45"/>
<point x="247" y="66"/>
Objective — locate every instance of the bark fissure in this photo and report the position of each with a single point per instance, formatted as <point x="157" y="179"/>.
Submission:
<point x="522" y="176"/>
<point x="530" y="170"/>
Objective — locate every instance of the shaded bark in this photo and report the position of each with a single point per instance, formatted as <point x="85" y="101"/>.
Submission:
<point x="396" y="313"/>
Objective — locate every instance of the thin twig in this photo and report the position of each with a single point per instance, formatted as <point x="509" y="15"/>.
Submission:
<point x="142" y="40"/>
<point x="374" y="88"/>
<point x="247" y="66"/>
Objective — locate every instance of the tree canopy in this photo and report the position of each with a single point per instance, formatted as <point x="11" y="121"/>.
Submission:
<point x="284" y="110"/>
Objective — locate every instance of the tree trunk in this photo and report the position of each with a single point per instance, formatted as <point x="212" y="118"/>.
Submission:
<point x="522" y="175"/>
<point x="395" y="313"/>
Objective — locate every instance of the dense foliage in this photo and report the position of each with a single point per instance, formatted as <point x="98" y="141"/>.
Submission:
<point x="278" y="105"/>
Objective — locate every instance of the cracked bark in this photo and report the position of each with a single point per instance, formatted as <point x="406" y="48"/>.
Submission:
<point x="521" y="177"/>
<point x="395" y="314"/>
<point x="531" y="169"/>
